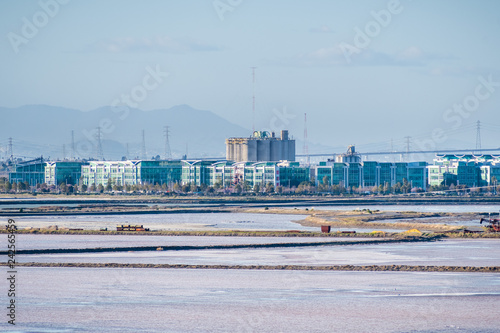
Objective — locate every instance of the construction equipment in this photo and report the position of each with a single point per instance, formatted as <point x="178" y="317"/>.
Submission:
<point x="493" y="226"/>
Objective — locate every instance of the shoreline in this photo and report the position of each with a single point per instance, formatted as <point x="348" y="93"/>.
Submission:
<point x="246" y="200"/>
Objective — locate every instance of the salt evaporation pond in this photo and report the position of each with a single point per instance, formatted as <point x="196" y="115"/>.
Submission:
<point x="431" y="208"/>
<point x="179" y="300"/>
<point x="62" y="241"/>
<point x="450" y="252"/>
<point x="187" y="221"/>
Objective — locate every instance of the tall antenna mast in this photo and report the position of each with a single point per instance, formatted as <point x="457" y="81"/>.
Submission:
<point x="144" y="155"/>
<point x="305" y="148"/>
<point x="64" y="151"/>
<point x="73" y="145"/>
<point x="478" y="135"/>
<point x="253" y="99"/>
<point x="168" y="153"/>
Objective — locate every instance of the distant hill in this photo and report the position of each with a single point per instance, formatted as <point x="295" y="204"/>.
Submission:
<point x="43" y="130"/>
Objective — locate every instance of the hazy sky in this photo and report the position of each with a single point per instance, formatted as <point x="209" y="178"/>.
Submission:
<point x="365" y="72"/>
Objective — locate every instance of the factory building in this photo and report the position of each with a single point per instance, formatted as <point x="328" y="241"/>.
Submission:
<point x="261" y="146"/>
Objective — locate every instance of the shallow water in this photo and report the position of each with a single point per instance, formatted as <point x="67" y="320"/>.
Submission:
<point x="60" y="241"/>
<point x="191" y="221"/>
<point x="179" y="300"/>
<point x="450" y="252"/>
<point x="493" y="209"/>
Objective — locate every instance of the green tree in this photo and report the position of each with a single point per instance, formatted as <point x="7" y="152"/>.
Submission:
<point x="256" y="188"/>
<point x="238" y="189"/>
<point x="109" y="185"/>
<point x="194" y="188"/>
<point x="269" y="188"/>
<point x="100" y="188"/>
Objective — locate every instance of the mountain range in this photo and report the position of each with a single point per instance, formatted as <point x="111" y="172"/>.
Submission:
<point x="47" y="130"/>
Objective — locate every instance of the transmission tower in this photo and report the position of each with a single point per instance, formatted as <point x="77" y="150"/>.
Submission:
<point x="144" y="154"/>
<point x="64" y="151"/>
<point x="168" y="153"/>
<point x="478" y="135"/>
<point x="100" y="152"/>
<point x="10" y="153"/>
<point x="305" y="148"/>
<point x="407" y="147"/>
<point x="73" y="145"/>
<point x="253" y="99"/>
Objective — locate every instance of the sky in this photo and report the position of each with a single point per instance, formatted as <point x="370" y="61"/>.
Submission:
<point x="365" y="72"/>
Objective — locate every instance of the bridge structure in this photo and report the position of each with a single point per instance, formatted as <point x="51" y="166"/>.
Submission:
<point x="472" y="151"/>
